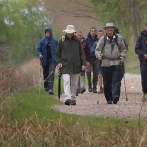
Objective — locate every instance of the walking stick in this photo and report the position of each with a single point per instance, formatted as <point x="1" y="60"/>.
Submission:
<point x="123" y="66"/>
<point x="125" y="89"/>
<point x="59" y="83"/>
<point x="40" y="78"/>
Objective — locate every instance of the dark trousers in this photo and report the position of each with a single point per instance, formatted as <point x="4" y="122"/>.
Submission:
<point x="143" y="69"/>
<point x="94" y="68"/>
<point x="48" y="75"/>
<point x="112" y="77"/>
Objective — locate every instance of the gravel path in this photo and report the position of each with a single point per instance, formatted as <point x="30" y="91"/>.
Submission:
<point x="87" y="103"/>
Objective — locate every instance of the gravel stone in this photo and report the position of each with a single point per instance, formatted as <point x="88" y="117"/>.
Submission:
<point x="131" y="109"/>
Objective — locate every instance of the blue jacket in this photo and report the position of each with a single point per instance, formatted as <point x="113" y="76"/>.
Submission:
<point x="41" y="48"/>
<point x="89" y="44"/>
<point x="92" y="51"/>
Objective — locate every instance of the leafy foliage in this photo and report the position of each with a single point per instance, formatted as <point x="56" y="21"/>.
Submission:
<point x="22" y="24"/>
<point x="128" y="15"/>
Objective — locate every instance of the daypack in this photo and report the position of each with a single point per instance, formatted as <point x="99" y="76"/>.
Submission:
<point x="115" y="40"/>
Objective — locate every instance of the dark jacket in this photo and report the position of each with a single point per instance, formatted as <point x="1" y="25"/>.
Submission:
<point x="141" y="47"/>
<point x="89" y="44"/>
<point x="41" y="48"/>
<point x="70" y="53"/>
<point x="83" y="41"/>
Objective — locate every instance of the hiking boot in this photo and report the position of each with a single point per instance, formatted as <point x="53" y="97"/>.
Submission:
<point x="89" y="89"/>
<point x="50" y="92"/>
<point x="73" y="102"/>
<point x="109" y="102"/>
<point x="94" y="90"/>
<point x="83" y="90"/>
<point x="67" y="102"/>
<point x="144" y="98"/>
<point x="115" y="99"/>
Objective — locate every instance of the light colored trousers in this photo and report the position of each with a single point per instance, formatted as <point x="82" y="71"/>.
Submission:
<point x="70" y="82"/>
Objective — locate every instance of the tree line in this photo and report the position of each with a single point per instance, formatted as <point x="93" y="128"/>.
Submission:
<point x="21" y="25"/>
<point x="22" y="21"/>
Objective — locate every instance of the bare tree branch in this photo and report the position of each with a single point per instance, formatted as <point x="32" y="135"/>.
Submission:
<point x="71" y="13"/>
<point x="88" y="6"/>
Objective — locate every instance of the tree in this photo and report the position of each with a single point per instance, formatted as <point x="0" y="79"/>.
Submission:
<point x="21" y="27"/>
<point x="127" y="14"/>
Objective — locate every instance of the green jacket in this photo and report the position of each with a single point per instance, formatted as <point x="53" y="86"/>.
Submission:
<point x="70" y="53"/>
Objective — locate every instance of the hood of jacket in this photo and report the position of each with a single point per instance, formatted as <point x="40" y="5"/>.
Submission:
<point x="51" y="34"/>
<point x="144" y="33"/>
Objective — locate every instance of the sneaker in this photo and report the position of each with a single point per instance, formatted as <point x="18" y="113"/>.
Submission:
<point x="144" y="97"/>
<point x="50" y="92"/>
<point x="67" y="102"/>
<point x="115" y="99"/>
<point x="90" y="89"/>
<point x="83" y="90"/>
<point x="94" y="90"/>
<point x="73" y="102"/>
<point x="109" y="102"/>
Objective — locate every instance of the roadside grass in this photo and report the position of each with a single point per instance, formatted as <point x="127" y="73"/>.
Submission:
<point x="35" y="123"/>
<point x="28" y="119"/>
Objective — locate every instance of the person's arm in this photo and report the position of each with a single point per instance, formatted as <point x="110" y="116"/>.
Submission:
<point x="39" y="50"/>
<point x="82" y="55"/>
<point x="99" y="48"/>
<point x="58" y="53"/>
<point x="122" y="48"/>
<point x="138" y="48"/>
<point x="92" y="51"/>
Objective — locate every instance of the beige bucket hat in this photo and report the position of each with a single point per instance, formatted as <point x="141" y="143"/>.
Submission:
<point x="109" y="25"/>
<point x="70" y="29"/>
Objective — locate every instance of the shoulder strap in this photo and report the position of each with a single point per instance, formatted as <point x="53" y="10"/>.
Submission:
<point x="116" y="39"/>
<point x="105" y="40"/>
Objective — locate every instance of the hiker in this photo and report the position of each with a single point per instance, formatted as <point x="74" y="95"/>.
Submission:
<point x="100" y="34"/>
<point x="46" y="52"/>
<point x="81" y="83"/>
<point x="111" y="50"/>
<point x="91" y="60"/>
<point x="141" y="50"/>
<point x="70" y="59"/>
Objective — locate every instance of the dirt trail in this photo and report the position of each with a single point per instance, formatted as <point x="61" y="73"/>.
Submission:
<point x="87" y="103"/>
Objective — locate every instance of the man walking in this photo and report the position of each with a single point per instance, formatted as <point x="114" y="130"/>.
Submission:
<point x="112" y="51"/>
<point x="46" y="52"/>
<point x="81" y="83"/>
<point x="91" y="60"/>
<point x="141" y="50"/>
<point x="70" y="58"/>
<point x="92" y="52"/>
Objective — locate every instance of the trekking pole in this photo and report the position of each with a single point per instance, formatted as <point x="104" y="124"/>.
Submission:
<point x="40" y="78"/>
<point x="125" y="89"/>
<point x="59" y="83"/>
<point x="123" y="66"/>
<point x="97" y="92"/>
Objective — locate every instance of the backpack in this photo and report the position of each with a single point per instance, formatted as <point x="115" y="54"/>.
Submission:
<point x="115" y="41"/>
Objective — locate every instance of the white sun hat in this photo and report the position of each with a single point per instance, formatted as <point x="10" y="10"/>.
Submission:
<point x="109" y="25"/>
<point x="70" y="29"/>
